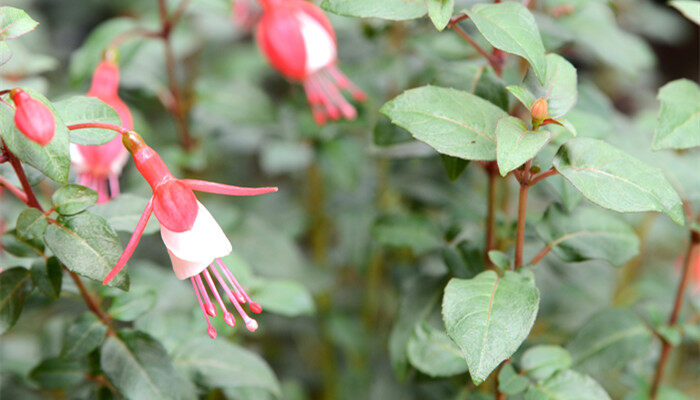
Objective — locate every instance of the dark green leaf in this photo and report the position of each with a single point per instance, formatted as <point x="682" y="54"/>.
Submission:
<point x="567" y="385"/>
<point x="47" y="276"/>
<point x="489" y="317"/>
<point x="586" y="234"/>
<point x="510" y="382"/>
<point x="453" y="166"/>
<point x="72" y="199"/>
<point x="31" y="224"/>
<point x="56" y="373"/>
<point x="433" y="353"/>
<point x="83" y="336"/>
<point x="13" y="245"/>
<point x="453" y="122"/>
<point x="15" y="22"/>
<point x="616" y="180"/>
<point x="81" y="109"/>
<point x="516" y="144"/>
<point x="678" y="125"/>
<point x="14" y="286"/>
<point x="139" y="367"/>
<point x="87" y="245"/>
<point x="387" y="9"/>
<point x="440" y="12"/>
<point x="541" y="362"/>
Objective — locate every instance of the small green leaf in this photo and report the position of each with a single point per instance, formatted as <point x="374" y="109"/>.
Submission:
<point x="499" y="259"/>
<point x="15" y="284"/>
<point x="81" y="109"/>
<point x="19" y="248"/>
<point x="510" y="382"/>
<point x="287" y="298"/>
<point x="433" y="353"/>
<point x="616" y="180"/>
<point x="516" y="144"/>
<point x="559" y="86"/>
<point x="608" y="341"/>
<point x="54" y="158"/>
<point x="412" y="231"/>
<point x="72" y="199"/>
<point x="129" y="306"/>
<point x="678" y="124"/>
<point x="139" y="367"/>
<point x="47" y="276"/>
<point x="489" y="317"/>
<point x="31" y="224"/>
<point x="587" y="234"/>
<point x="453" y="166"/>
<point x="123" y="213"/>
<point x="87" y="245"/>
<point x="689" y="8"/>
<point x="395" y="10"/>
<point x="510" y="27"/>
<point x="83" y="336"/>
<point x="453" y="122"/>
<point x="567" y="384"/>
<point x="14" y="23"/>
<point x="541" y="362"/>
<point x="57" y="373"/>
<point x="440" y="12"/>
<point x="523" y="95"/>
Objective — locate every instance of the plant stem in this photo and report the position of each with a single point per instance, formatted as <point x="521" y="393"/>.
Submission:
<point x="543" y="175"/>
<point x="99" y="125"/>
<point x="492" y="60"/>
<point x="693" y="251"/>
<point x="491" y="170"/>
<point x="522" y="209"/>
<point x="541" y="254"/>
<point x="14" y="189"/>
<point x="90" y="301"/>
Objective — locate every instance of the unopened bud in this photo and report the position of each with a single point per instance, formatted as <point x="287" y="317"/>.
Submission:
<point x="33" y="118"/>
<point x="133" y="141"/>
<point x="539" y="110"/>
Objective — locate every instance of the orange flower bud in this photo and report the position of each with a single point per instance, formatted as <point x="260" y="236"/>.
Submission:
<point x="539" y="110"/>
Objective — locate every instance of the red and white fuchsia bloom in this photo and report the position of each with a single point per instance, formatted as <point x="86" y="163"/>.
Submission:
<point x="33" y="118"/>
<point x="298" y="40"/>
<point x="99" y="167"/>
<point x="194" y="240"/>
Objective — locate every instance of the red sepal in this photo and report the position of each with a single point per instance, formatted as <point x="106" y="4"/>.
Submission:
<point x="175" y="205"/>
<point x="33" y="118"/>
<point x="281" y="42"/>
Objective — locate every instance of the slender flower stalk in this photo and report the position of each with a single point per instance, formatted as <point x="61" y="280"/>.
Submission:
<point x="193" y="239"/>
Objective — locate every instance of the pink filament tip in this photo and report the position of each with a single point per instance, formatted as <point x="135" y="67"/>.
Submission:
<point x="212" y="332"/>
<point x="229" y="319"/>
<point x="239" y="297"/>
<point x="251" y="325"/>
<point x="211" y="309"/>
<point x="255" y="307"/>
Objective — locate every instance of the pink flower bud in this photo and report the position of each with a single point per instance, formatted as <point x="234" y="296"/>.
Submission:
<point x="33" y="118"/>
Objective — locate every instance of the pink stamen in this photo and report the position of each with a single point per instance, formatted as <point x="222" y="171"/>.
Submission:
<point x="114" y="186"/>
<point x="250" y="323"/>
<point x="254" y="307"/>
<point x="133" y="242"/>
<point x="102" y="193"/>
<point x="210" y="330"/>
<point x="211" y="309"/>
<point x="228" y="317"/>
<point x="219" y="188"/>
<point x="346" y="84"/>
<point x="331" y="110"/>
<point x="346" y="108"/>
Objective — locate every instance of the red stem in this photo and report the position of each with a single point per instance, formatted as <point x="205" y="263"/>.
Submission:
<point x="522" y="209"/>
<point x="543" y="175"/>
<point x="99" y="125"/>
<point x="13" y="189"/>
<point x="491" y="170"/>
<point x="492" y="60"/>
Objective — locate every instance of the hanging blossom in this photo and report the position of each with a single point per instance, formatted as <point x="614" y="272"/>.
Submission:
<point x="33" y="118"/>
<point x="195" y="242"/>
<point x="99" y="167"/>
<point x="298" y="40"/>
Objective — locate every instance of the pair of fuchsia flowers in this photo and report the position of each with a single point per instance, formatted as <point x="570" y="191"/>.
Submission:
<point x="298" y="40"/>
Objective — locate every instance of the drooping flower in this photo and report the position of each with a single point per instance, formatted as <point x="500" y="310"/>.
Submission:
<point x="298" y="40"/>
<point x="33" y="118"/>
<point x="99" y="167"/>
<point x="194" y="240"/>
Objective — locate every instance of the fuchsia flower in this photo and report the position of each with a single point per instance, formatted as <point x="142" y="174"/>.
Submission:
<point x="298" y="40"/>
<point x="100" y="166"/>
<point x="33" y="118"/>
<point x="194" y="240"/>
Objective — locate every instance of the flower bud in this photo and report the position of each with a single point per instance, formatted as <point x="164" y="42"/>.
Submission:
<point x="33" y="118"/>
<point x="133" y="141"/>
<point x="539" y="110"/>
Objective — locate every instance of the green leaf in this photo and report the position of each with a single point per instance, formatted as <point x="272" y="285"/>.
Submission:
<point x="72" y="199"/>
<point x="14" y="287"/>
<point x="559" y="86"/>
<point x="541" y="362"/>
<point x="567" y="385"/>
<point x="287" y="298"/>
<point x="608" y="341"/>
<point x="588" y="234"/>
<point x="123" y="213"/>
<point x="54" y="158"/>
<point x="433" y="353"/>
<point x="440" y="12"/>
<point x="523" y="95"/>
<point x="31" y="224"/>
<point x="14" y="23"/>
<point x="689" y="8"/>
<point x="395" y="10"/>
<point x="19" y="248"/>
<point x="87" y="245"/>
<point x="129" y="306"/>
<point x="83" y="336"/>
<point x="56" y="373"/>
<point x="516" y="144"/>
<point x="568" y="195"/>
<point x="414" y="231"/>
<point x="480" y="80"/>
<point x="511" y="27"/>
<point x="82" y="109"/>
<point x="453" y="122"/>
<point x="499" y="259"/>
<point x="616" y="180"/>
<point x="47" y="276"/>
<point x="139" y="367"/>
<point x="489" y="317"/>
<point x="223" y="364"/>
<point x="678" y="124"/>
<point x="510" y="382"/>
<point x="5" y="53"/>
<point x="453" y="166"/>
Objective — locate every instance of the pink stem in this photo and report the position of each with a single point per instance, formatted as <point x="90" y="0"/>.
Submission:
<point x="228" y="317"/>
<point x="211" y="310"/>
<point x="133" y="242"/>
<point x="220" y="188"/>
<point x="114" y="186"/>
<point x="210" y="329"/>
<point x="250" y="323"/>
